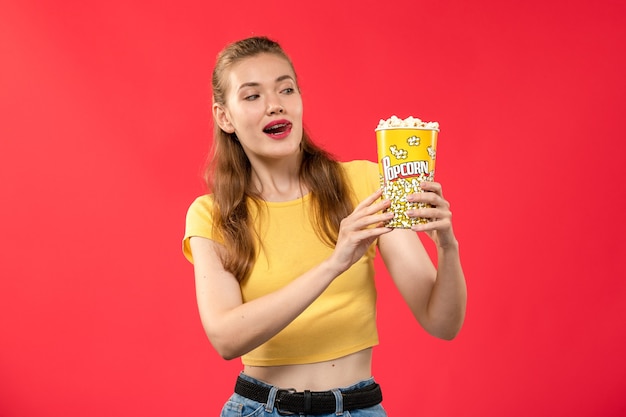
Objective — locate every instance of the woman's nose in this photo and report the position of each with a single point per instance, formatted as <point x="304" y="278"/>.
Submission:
<point x="275" y="108"/>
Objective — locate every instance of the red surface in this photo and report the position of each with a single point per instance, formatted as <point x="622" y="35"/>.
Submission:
<point x="105" y="126"/>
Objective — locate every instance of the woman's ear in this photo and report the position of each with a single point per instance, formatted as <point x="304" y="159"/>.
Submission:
<point x="222" y="119"/>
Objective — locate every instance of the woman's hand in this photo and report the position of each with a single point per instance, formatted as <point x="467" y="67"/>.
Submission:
<point x="359" y="230"/>
<point x="439" y="227"/>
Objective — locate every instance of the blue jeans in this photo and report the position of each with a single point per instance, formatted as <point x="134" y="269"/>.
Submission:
<point x="238" y="406"/>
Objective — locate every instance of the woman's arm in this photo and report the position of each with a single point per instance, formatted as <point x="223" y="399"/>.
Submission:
<point x="436" y="297"/>
<point x="234" y="327"/>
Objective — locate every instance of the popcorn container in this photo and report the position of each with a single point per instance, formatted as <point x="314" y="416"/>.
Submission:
<point x="406" y="157"/>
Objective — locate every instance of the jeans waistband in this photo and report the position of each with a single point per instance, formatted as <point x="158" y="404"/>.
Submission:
<point x="287" y="401"/>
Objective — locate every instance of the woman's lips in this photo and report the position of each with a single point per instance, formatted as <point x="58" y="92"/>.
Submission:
<point x="278" y="129"/>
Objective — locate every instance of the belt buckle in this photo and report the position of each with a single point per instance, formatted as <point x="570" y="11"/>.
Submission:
<point x="278" y="398"/>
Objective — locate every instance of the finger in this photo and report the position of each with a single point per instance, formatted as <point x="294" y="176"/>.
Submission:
<point x="370" y="205"/>
<point x="432" y="186"/>
<point x="372" y="232"/>
<point x="440" y="225"/>
<point x="428" y="198"/>
<point x="378" y="207"/>
<point x="371" y="220"/>
<point x="429" y="213"/>
<point x="370" y="199"/>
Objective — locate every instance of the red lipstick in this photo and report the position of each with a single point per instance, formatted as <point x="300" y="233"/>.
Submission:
<point x="278" y="129"/>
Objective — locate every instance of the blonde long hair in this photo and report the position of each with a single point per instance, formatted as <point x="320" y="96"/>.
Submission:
<point x="228" y="175"/>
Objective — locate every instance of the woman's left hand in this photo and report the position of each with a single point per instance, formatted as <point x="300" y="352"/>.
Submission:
<point x="439" y="227"/>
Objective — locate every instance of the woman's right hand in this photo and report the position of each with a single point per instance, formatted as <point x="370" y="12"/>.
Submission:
<point x="359" y="230"/>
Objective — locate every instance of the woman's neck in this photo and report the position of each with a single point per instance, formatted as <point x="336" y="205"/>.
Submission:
<point x="278" y="181"/>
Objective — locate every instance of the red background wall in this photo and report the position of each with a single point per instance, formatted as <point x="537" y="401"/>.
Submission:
<point x="105" y="125"/>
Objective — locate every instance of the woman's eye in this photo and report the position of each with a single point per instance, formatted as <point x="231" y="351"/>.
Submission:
<point x="288" y="90"/>
<point x="251" y="97"/>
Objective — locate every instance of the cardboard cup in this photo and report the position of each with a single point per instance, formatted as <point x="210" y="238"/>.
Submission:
<point x="406" y="158"/>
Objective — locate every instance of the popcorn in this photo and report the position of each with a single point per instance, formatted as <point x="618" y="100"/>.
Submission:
<point x="396" y="191"/>
<point x="406" y="158"/>
<point x="396" y="122"/>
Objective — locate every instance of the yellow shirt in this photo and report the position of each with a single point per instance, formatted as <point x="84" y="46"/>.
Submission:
<point x="342" y="320"/>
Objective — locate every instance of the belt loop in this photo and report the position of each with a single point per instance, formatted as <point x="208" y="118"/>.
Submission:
<point x="338" y="402"/>
<point x="271" y="399"/>
<point x="307" y="401"/>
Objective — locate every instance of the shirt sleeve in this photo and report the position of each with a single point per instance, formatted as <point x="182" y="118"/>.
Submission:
<point x="364" y="179"/>
<point x="363" y="176"/>
<point x="199" y="222"/>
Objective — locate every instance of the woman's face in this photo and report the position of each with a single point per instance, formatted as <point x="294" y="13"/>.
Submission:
<point x="263" y="107"/>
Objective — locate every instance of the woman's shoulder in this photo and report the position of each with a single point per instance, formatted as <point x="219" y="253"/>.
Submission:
<point x="358" y="164"/>
<point x="359" y="167"/>
<point x="362" y="175"/>
<point x="201" y="206"/>
<point x="198" y="222"/>
<point x="205" y="200"/>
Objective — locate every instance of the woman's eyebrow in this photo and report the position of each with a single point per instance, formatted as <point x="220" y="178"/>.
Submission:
<point x="256" y="84"/>
<point x="248" y="84"/>
<point x="284" y="77"/>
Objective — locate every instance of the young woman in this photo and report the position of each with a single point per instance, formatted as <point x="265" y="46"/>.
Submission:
<point x="283" y="250"/>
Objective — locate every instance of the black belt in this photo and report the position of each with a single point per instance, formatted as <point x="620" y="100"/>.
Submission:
<point x="310" y="402"/>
